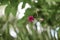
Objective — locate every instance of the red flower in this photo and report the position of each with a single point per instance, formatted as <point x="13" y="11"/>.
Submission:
<point x="30" y="18"/>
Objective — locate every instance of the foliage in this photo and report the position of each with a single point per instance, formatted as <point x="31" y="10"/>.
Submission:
<point x="49" y="10"/>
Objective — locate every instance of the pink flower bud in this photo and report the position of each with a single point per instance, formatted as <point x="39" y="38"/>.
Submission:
<point x="30" y="18"/>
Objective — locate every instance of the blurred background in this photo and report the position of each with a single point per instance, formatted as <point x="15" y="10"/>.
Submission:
<point x="29" y="19"/>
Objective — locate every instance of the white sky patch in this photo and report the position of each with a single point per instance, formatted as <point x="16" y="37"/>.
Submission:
<point x="20" y="12"/>
<point x="2" y="10"/>
<point x="52" y="32"/>
<point x="39" y="27"/>
<point x="56" y="35"/>
<point x="12" y="32"/>
<point x="36" y="1"/>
